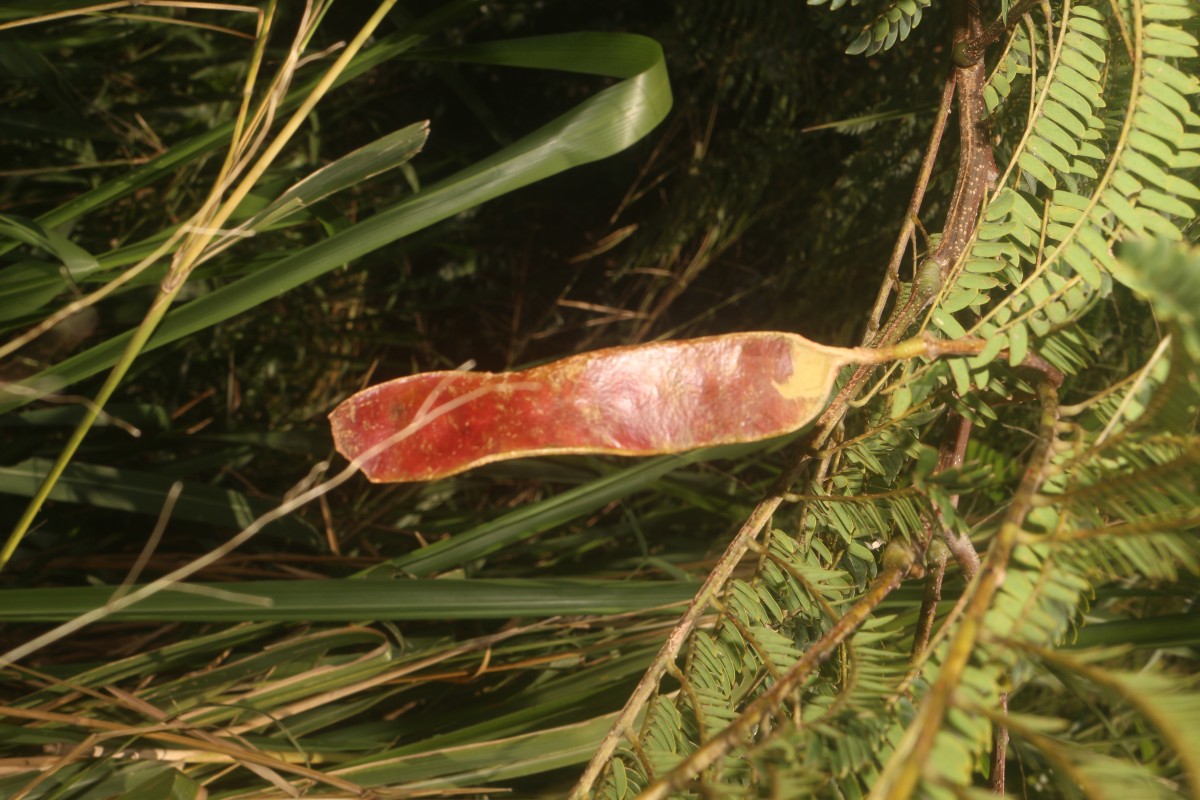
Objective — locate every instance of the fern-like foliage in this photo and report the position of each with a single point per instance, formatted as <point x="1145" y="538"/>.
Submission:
<point x="893" y="24"/>
<point x="1099" y="144"/>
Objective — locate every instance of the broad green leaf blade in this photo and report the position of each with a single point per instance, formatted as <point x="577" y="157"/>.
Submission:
<point x="349" y="600"/>
<point x="381" y="155"/>
<point x="79" y="781"/>
<point x="27" y="286"/>
<point x="169" y="784"/>
<point x="599" y="127"/>
<point x="532" y="520"/>
<point x="78" y="261"/>
<point x="170" y="162"/>
<point x="565" y="697"/>
<point x="144" y="493"/>
<point x="487" y="762"/>
<point x="30" y="284"/>
<point x="1159" y="632"/>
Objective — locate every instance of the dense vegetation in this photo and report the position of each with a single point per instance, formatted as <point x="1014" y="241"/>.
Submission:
<point x="975" y="573"/>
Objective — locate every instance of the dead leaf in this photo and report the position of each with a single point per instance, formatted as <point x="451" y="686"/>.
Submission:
<point x="643" y="400"/>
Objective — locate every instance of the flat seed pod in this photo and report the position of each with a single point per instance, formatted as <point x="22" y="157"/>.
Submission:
<point x="642" y="400"/>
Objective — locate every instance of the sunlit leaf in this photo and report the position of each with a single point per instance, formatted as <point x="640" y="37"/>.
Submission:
<point x="644" y="400"/>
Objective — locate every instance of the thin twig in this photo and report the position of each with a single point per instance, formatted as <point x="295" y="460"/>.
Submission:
<point x="163" y="732"/>
<point x="160" y="527"/>
<point x="896" y="566"/>
<point x="426" y="414"/>
<point x="912" y="218"/>
<point x="903" y="770"/>
<point x="936" y="560"/>
<point x="666" y="656"/>
<point x="218" y="207"/>
<point x="999" y="748"/>
<point x="976" y="170"/>
<point x="952" y="455"/>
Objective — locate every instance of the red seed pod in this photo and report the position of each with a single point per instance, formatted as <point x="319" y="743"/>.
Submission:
<point x="642" y="400"/>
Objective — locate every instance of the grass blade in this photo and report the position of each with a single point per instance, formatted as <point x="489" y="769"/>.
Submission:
<point x="603" y="125"/>
<point x="350" y="600"/>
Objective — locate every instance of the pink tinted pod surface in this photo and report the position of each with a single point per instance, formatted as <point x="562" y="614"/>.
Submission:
<point x="641" y="400"/>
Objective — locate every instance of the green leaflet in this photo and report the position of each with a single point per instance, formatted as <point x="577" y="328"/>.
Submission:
<point x="893" y="24"/>
<point x="1039" y="264"/>
<point x="1111" y="530"/>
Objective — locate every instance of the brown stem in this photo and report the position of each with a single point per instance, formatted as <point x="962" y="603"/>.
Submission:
<point x="971" y="51"/>
<point x="678" y="636"/>
<point x="976" y="172"/>
<point x="976" y="165"/>
<point x="903" y="771"/>
<point x="965" y="554"/>
<point x="936" y="560"/>
<point x="896" y="565"/>
<point x="953" y="453"/>
<point x="977" y="169"/>
<point x="999" y="749"/>
<point x="912" y="218"/>
<point x="1043" y="367"/>
<point x="954" y="446"/>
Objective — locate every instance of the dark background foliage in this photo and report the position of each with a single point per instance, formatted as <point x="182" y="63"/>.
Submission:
<point x="728" y="217"/>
